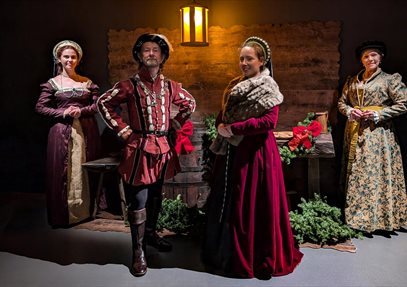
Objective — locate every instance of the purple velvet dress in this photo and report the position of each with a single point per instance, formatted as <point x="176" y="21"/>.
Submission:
<point x="52" y="102"/>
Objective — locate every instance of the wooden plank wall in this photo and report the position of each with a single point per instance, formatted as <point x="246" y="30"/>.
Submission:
<point x="305" y="62"/>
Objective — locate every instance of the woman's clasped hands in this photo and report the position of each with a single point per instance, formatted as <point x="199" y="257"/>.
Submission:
<point x="357" y="114"/>
<point x="72" y="111"/>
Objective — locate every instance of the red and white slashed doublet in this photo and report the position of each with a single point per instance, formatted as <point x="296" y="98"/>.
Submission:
<point x="147" y="157"/>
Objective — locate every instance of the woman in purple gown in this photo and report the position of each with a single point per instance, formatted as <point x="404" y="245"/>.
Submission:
<point x="70" y="101"/>
<point x="248" y="227"/>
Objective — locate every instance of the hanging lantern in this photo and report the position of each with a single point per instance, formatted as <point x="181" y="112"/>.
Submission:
<point x="194" y="25"/>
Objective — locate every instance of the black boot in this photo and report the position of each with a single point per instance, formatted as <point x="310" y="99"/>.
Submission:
<point x="151" y="236"/>
<point x="137" y="220"/>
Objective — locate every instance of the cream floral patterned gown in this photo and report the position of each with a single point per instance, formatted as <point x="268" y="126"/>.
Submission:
<point x="374" y="182"/>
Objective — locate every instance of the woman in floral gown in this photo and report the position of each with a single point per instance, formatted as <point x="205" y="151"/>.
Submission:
<point x="69" y="100"/>
<point x="373" y="171"/>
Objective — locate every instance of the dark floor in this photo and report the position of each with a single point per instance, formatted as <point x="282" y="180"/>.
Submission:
<point x="33" y="254"/>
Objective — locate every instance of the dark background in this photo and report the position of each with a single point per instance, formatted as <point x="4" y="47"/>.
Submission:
<point x="30" y="29"/>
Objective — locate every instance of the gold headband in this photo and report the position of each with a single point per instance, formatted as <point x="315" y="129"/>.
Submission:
<point x="66" y="43"/>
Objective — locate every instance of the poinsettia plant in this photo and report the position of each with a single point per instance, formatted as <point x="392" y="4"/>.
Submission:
<point x="303" y="141"/>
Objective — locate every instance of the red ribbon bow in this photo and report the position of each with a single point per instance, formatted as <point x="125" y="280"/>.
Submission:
<point x="183" y="144"/>
<point x="301" y="135"/>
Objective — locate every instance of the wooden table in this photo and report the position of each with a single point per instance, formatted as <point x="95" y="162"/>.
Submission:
<point x="324" y="148"/>
<point x="101" y="167"/>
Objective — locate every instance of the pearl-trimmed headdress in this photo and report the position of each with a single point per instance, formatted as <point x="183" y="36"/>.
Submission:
<point x="263" y="44"/>
<point x="66" y="43"/>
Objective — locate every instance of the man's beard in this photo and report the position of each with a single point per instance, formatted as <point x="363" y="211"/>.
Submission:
<point x="151" y="62"/>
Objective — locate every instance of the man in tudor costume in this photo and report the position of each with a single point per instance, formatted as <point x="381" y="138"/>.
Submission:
<point x="149" y="156"/>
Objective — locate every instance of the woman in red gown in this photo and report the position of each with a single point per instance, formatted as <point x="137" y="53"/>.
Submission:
<point x="248" y="227"/>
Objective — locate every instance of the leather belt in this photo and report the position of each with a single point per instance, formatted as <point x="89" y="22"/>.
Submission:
<point x="156" y="133"/>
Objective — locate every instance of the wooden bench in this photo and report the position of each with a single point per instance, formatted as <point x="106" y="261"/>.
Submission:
<point x="101" y="167"/>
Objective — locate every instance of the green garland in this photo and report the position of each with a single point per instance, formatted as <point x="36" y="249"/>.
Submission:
<point x="209" y="121"/>
<point x="319" y="223"/>
<point x="208" y="157"/>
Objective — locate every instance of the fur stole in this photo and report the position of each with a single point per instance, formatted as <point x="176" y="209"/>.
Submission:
<point x="245" y="99"/>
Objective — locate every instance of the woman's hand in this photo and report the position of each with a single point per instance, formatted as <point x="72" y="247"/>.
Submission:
<point x="368" y="115"/>
<point x="75" y="113"/>
<point x="371" y="115"/>
<point x="225" y="130"/>
<point x="356" y="114"/>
